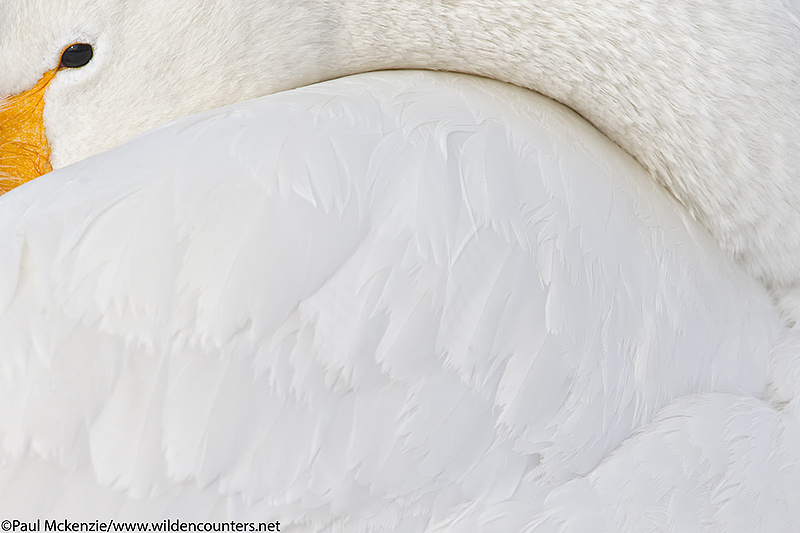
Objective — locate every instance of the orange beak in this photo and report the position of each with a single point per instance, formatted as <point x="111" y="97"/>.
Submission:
<point x="24" y="151"/>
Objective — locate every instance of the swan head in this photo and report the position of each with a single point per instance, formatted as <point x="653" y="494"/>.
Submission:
<point x="703" y="95"/>
<point x="149" y="64"/>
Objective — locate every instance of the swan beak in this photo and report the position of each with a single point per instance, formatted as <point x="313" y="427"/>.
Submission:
<point x="24" y="151"/>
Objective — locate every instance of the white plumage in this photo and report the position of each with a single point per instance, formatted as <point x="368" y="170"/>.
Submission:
<point x="391" y="302"/>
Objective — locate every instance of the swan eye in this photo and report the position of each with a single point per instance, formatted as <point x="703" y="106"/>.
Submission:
<point x="76" y="56"/>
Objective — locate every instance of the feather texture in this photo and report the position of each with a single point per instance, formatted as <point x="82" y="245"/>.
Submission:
<point x="391" y="302"/>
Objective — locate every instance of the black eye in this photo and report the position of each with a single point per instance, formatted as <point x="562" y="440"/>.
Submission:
<point x="76" y="56"/>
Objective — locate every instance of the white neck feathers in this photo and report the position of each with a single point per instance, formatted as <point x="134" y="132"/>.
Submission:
<point x="705" y="95"/>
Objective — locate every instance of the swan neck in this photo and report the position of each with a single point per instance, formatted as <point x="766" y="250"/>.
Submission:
<point x="680" y="86"/>
<point x="475" y="38"/>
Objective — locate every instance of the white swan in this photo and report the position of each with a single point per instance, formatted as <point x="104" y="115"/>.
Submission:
<point x="307" y="319"/>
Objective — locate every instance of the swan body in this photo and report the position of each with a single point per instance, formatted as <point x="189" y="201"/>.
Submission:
<point x="399" y="301"/>
<point x="402" y="301"/>
<point x="704" y="95"/>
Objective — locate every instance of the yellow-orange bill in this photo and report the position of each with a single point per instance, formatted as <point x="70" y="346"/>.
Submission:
<point x="24" y="151"/>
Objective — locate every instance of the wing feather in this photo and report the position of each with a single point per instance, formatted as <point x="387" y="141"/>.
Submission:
<point x="398" y="301"/>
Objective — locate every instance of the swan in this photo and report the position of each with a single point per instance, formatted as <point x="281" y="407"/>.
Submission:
<point x="105" y="350"/>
